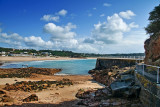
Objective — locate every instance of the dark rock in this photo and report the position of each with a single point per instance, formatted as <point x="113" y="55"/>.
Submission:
<point x="85" y="94"/>
<point x="119" y="87"/>
<point x="32" y="97"/>
<point x="6" y="98"/>
<point x="93" y="104"/>
<point x="105" y="103"/>
<point x="105" y="91"/>
<point x="2" y="92"/>
<point x="130" y="71"/>
<point x="116" y="103"/>
<point x="127" y="77"/>
<point x="91" y="71"/>
<point x="127" y="94"/>
<point x="135" y="91"/>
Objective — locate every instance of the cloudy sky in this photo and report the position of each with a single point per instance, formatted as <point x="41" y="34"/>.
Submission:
<point x="90" y="26"/>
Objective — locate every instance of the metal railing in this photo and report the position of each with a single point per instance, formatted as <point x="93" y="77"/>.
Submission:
<point x="149" y="71"/>
<point x="126" y="57"/>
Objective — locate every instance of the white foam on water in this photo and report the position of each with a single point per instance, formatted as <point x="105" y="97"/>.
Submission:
<point x="37" y="61"/>
<point x="61" y="74"/>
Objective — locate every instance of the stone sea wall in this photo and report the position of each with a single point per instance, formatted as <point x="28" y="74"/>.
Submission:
<point x="150" y="91"/>
<point x="106" y="63"/>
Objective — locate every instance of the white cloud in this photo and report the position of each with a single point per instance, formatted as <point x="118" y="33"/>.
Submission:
<point x="33" y="41"/>
<point x="0" y="30"/>
<point x="133" y="25"/>
<point x="106" y="4"/>
<point x="112" y="31"/>
<point x="127" y="14"/>
<point x="133" y="42"/>
<point x="112" y="36"/>
<point x="17" y="41"/>
<point x="13" y="36"/>
<point x="94" y="8"/>
<point x="59" y="32"/>
<point x="89" y="14"/>
<point x="54" y="17"/>
<point x="70" y="44"/>
<point x="89" y="40"/>
<point x="116" y="36"/>
<point x="50" y="18"/>
<point x="62" y="12"/>
<point x="87" y="48"/>
<point x="102" y="15"/>
<point x="13" y="39"/>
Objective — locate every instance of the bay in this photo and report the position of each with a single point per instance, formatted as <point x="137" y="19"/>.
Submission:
<point x="69" y="67"/>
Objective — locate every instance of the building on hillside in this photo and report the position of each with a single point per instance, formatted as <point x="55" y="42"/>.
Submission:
<point x="2" y="53"/>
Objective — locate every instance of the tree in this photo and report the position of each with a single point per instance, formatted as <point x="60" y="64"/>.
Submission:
<point x="154" y="18"/>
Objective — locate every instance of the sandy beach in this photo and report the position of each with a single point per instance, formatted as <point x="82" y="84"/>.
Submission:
<point x="52" y="95"/>
<point x="20" y="59"/>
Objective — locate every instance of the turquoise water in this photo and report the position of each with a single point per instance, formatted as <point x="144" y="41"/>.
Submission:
<point x="69" y="67"/>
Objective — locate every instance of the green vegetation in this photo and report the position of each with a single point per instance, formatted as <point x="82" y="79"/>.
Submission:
<point x="62" y="53"/>
<point x="5" y="49"/>
<point x="154" y="18"/>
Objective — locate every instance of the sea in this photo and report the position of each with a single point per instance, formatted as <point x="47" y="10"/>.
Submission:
<point x="69" y="67"/>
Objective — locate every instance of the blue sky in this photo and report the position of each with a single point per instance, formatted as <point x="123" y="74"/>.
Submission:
<point x="94" y="26"/>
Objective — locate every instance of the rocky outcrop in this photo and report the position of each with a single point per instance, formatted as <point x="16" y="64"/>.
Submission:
<point x="29" y="86"/>
<point x="120" y="81"/>
<point x="121" y="90"/>
<point x="107" y="76"/>
<point x="105" y="98"/>
<point x="32" y="97"/>
<point x="152" y="50"/>
<point x="4" y="97"/>
<point x="26" y="72"/>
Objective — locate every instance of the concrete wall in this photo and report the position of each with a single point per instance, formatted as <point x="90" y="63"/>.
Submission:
<point x="104" y="63"/>
<point x="150" y="92"/>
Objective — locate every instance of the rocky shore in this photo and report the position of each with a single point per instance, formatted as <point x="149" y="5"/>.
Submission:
<point x="120" y="90"/>
<point x="26" y="72"/>
<point x="40" y="87"/>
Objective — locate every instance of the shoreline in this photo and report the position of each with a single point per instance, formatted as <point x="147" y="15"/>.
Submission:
<point x="52" y="95"/>
<point x="8" y="59"/>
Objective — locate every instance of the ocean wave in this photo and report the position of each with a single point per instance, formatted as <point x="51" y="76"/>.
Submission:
<point x="37" y="61"/>
<point x="61" y="74"/>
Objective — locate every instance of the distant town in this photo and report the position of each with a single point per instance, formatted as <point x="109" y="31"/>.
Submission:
<point x="56" y="53"/>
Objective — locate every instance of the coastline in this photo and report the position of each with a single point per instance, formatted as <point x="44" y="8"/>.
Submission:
<point x="8" y="59"/>
<point x="52" y="95"/>
<point x="4" y="59"/>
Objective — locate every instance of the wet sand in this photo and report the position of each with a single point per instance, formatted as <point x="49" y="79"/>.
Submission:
<point x="51" y="95"/>
<point x="20" y="59"/>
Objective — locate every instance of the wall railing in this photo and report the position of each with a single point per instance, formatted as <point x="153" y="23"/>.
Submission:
<point x="126" y="57"/>
<point x="149" y="71"/>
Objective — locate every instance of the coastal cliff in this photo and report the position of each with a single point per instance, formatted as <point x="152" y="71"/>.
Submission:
<point x="152" y="50"/>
